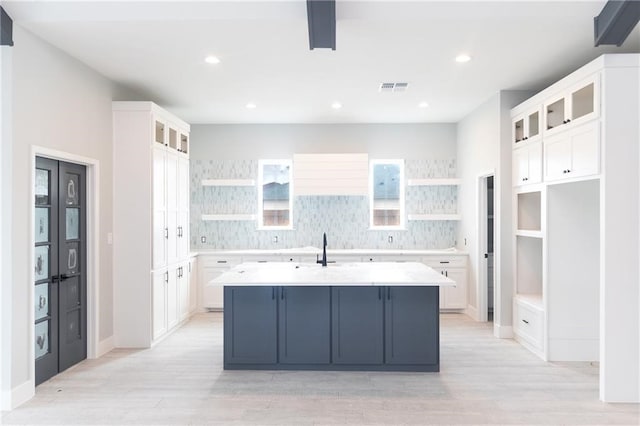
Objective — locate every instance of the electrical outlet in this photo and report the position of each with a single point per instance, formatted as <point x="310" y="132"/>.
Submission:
<point x="203" y="239"/>
<point x="274" y="240"/>
<point x="390" y="239"/>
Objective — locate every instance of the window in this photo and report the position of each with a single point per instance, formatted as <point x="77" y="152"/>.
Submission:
<point x="386" y="179"/>
<point x="274" y="192"/>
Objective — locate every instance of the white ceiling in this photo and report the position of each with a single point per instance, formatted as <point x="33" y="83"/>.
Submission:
<point x="158" y="49"/>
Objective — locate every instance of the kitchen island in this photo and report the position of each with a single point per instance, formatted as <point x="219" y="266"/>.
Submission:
<point x="351" y="316"/>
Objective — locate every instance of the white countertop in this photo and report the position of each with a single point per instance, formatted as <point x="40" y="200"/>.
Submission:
<point x="300" y="251"/>
<point x="338" y="274"/>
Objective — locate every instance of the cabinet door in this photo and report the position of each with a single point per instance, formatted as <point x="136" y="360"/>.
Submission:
<point x="212" y="294"/>
<point x="411" y="325"/>
<point x="456" y="297"/>
<point x="557" y="157"/>
<point x="172" y="298"/>
<point x="172" y="181"/>
<point x="160" y="235"/>
<point x="535" y="163"/>
<point x="305" y="325"/>
<point x="172" y="236"/>
<point x="159" y="305"/>
<point x="159" y="226"/>
<point x="183" y="184"/>
<point x="357" y="325"/>
<point x="159" y="178"/>
<point x="520" y="166"/>
<point x="182" y="235"/>
<point x="585" y="150"/>
<point x="193" y="285"/>
<point x="183" y="291"/>
<point x="250" y="325"/>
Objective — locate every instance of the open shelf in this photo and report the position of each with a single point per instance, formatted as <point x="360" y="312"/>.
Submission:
<point x="228" y="217"/>
<point x="434" y="182"/>
<point x="529" y="266"/>
<point x="529" y="211"/>
<point x="533" y="300"/>
<point x="434" y="217"/>
<point x="228" y="182"/>
<point x="527" y="233"/>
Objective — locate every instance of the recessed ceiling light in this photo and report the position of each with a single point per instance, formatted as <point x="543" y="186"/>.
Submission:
<point x="212" y="60"/>
<point x="423" y="104"/>
<point x="463" y="58"/>
<point x="336" y="105"/>
<point x="251" y="105"/>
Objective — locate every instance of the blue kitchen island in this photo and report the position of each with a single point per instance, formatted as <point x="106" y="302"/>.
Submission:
<point x="353" y="316"/>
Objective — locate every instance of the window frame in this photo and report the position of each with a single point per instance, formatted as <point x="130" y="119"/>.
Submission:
<point x="401" y="190"/>
<point x="261" y="164"/>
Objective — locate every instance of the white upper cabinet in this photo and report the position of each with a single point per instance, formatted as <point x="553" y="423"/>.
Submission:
<point x="526" y="126"/>
<point x="574" y="153"/>
<point x="527" y="164"/>
<point x="573" y="107"/>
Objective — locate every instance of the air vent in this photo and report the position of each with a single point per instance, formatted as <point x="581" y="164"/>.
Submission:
<point x="393" y="87"/>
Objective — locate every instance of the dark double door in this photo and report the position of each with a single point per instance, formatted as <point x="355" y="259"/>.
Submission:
<point x="60" y="293"/>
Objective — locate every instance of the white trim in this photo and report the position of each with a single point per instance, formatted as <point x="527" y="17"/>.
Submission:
<point x="105" y="346"/>
<point x="503" y="331"/>
<point x="471" y="312"/>
<point x="93" y="247"/>
<point x="22" y="393"/>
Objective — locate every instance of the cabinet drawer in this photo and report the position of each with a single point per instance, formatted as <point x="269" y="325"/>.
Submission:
<point x="528" y="324"/>
<point x="446" y="262"/>
<point x="217" y="261"/>
<point x="263" y="258"/>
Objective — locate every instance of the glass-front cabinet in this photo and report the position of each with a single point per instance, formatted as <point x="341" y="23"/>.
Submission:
<point x="526" y="126"/>
<point x="575" y="106"/>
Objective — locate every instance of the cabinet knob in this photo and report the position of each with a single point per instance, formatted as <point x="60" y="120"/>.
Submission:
<point x="568" y="120"/>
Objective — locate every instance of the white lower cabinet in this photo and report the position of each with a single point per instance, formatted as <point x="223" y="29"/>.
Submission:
<point x="211" y="267"/>
<point x="528" y="325"/>
<point x="454" y="267"/>
<point x="160" y="281"/>
<point x="193" y="285"/>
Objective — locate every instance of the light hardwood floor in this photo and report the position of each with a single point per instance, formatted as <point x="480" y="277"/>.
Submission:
<point x="483" y="380"/>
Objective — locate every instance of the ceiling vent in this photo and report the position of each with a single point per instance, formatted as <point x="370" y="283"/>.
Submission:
<point x="393" y="87"/>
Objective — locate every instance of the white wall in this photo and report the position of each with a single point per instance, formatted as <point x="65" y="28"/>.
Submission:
<point x="483" y="147"/>
<point x="59" y="104"/>
<point x="254" y="141"/>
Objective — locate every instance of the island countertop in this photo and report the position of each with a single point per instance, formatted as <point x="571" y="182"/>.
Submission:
<point x="339" y="274"/>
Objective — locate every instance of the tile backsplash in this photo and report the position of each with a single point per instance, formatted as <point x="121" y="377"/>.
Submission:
<point x="345" y="219"/>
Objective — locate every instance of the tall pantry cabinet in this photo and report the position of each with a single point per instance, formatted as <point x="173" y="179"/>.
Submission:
<point x="152" y="268"/>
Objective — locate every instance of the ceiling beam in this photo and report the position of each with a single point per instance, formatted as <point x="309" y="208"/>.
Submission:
<point x="6" y="29"/>
<point x="321" y="16"/>
<point x="616" y="21"/>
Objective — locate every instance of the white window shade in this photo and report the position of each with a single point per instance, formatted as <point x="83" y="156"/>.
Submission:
<point x="331" y="174"/>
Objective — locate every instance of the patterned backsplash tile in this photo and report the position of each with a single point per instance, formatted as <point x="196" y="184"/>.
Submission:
<point x="345" y="219"/>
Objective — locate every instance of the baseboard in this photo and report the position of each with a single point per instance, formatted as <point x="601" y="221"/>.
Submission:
<point x="502" y="331"/>
<point x="472" y="312"/>
<point x="22" y="393"/>
<point x="105" y="346"/>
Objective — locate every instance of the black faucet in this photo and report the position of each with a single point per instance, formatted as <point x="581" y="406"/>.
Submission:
<point x="324" y="251"/>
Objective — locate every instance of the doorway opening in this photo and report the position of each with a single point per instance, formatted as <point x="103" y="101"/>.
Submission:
<point x="486" y="282"/>
<point x="60" y="267"/>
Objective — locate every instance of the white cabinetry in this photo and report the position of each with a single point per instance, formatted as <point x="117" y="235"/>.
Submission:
<point x="454" y="267"/>
<point x="574" y="153"/>
<point x="151" y="193"/>
<point x="527" y="164"/>
<point x="211" y="267"/>
<point x="526" y="126"/>
<point x="193" y="284"/>
<point x="573" y="106"/>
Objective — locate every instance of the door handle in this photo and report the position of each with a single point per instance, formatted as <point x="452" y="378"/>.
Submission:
<point x="64" y="277"/>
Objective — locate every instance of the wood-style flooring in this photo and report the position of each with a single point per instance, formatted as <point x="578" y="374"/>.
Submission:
<point x="483" y="380"/>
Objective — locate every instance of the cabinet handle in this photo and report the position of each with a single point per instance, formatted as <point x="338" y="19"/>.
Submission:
<point x="221" y="261"/>
<point x="444" y="261"/>
<point x="568" y="120"/>
<point x="525" y="321"/>
<point x="166" y="233"/>
<point x="446" y="274"/>
<point x="166" y="277"/>
<point x="282" y="296"/>
<point x="273" y="293"/>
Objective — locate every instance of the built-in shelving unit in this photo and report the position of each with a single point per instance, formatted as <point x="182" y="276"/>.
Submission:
<point x="434" y="217"/>
<point x="434" y="182"/>
<point x="228" y="217"/>
<point x="228" y="182"/>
